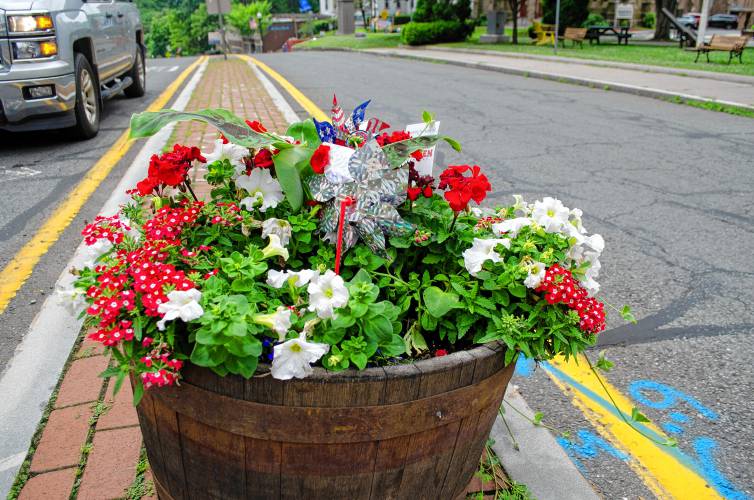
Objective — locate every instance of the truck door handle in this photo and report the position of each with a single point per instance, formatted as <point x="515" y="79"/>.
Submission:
<point x="120" y="14"/>
<point x="108" y="15"/>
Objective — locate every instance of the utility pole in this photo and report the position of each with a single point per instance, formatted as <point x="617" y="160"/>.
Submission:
<point x="702" y="24"/>
<point x="557" y="25"/>
<point x="222" y="35"/>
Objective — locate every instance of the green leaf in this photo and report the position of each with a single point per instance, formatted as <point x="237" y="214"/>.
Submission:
<point x="305" y="132"/>
<point x="439" y="303"/>
<point x="242" y="285"/>
<point x="432" y="258"/>
<point x="427" y="117"/>
<point x="378" y="328"/>
<point x="358" y="309"/>
<point x="119" y="382"/>
<point x="517" y="290"/>
<point x="287" y="171"/>
<point x="538" y="418"/>
<point x="638" y="416"/>
<point x="138" y="392"/>
<point x="361" y="277"/>
<point x="395" y="347"/>
<point x="626" y="314"/>
<point x="453" y="143"/>
<point x="359" y="359"/>
<point x="603" y="363"/>
<point x="233" y="127"/>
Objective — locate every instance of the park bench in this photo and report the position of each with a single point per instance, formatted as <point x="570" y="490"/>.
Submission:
<point x="575" y="35"/>
<point x="732" y="44"/>
<point x="545" y="33"/>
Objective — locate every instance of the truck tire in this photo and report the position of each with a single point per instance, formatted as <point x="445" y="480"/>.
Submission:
<point x="88" y="108"/>
<point x="138" y="74"/>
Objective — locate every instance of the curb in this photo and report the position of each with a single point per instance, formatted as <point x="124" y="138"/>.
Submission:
<point x="539" y="461"/>
<point x="52" y="334"/>
<point x="607" y="85"/>
<point x="692" y="73"/>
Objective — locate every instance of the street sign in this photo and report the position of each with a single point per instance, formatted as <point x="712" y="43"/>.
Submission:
<point x="218" y="6"/>
<point x="214" y="38"/>
<point x="624" y="11"/>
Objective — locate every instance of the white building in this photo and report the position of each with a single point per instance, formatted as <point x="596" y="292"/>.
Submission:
<point x="374" y="7"/>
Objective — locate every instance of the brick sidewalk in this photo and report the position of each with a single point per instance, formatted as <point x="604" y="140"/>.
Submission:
<point x="91" y="447"/>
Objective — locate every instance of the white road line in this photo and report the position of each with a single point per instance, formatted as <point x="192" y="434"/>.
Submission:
<point x="173" y="68"/>
<point x="277" y="98"/>
<point x="33" y="372"/>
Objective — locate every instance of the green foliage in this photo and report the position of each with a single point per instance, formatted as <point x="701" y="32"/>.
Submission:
<point x="572" y="12"/>
<point x="422" y="33"/>
<point x="593" y="19"/>
<point x="241" y="13"/>
<point x="441" y="10"/>
<point x="648" y="19"/>
<point x="401" y="19"/>
<point x="177" y="30"/>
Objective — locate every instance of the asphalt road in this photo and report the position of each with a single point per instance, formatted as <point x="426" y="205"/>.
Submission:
<point x="37" y="171"/>
<point x="670" y="188"/>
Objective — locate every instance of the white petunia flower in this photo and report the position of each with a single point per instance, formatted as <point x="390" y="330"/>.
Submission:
<point x="550" y="214"/>
<point x="276" y="279"/>
<point x="481" y="251"/>
<point x="231" y="152"/>
<point x="183" y="304"/>
<point x="511" y="227"/>
<point x="94" y="251"/>
<point x="480" y="212"/>
<point x="279" y="321"/>
<point x="280" y="227"/>
<point x="520" y="207"/>
<point x="293" y="358"/>
<point x="327" y="292"/>
<point x="574" y="219"/>
<point x="275" y="248"/>
<point x="536" y="273"/>
<point x="262" y="189"/>
<point x="72" y="298"/>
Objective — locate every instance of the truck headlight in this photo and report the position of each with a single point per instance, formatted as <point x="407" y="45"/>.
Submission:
<point x="32" y="23"/>
<point x="33" y="49"/>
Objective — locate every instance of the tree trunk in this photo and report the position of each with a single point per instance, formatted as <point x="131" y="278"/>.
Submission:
<point x="662" y="29"/>
<point x="513" y="5"/>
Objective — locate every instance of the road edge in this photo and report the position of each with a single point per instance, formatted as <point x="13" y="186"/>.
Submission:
<point x="47" y="344"/>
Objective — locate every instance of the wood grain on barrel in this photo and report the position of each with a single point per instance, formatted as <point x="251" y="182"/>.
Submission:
<point x="410" y="431"/>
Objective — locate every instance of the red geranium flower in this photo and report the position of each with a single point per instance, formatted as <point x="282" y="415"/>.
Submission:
<point x="263" y="159"/>
<point x="256" y="126"/>
<point x="440" y="352"/>
<point x="398" y="135"/>
<point x="320" y="159"/>
<point x="462" y="189"/>
<point x="413" y="193"/>
<point x="417" y="155"/>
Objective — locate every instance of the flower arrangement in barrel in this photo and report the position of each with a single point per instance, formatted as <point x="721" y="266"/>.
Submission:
<point x="332" y="245"/>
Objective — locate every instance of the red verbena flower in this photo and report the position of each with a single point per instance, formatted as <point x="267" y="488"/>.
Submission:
<point x="560" y="288"/>
<point x="320" y="159"/>
<point x="440" y="352"/>
<point x="263" y="159"/>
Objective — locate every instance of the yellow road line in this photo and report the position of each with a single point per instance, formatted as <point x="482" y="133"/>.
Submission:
<point x="655" y="464"/>
<point x="304" y="101"/>
<point x="18" y="270"/>
<point x="664" y="474"/>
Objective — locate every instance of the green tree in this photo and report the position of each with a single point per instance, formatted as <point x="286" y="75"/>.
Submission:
<point x="572" y="12"/>
<point x="157" y="37"/>
<point x="240" y="14"/>
<point x="200" y="24"/>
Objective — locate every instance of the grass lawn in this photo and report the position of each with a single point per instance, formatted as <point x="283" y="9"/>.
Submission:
<point x="638" y="53"/>
<point x="333" y="41"/>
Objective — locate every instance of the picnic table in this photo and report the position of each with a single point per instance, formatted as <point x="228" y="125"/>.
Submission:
<point x="595" y="32"/>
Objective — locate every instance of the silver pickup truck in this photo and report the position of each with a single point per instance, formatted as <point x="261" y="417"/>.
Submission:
<point x="60" y="59"/>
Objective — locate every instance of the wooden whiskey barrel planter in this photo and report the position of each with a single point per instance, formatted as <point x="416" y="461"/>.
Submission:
<point x="410" y="431"/>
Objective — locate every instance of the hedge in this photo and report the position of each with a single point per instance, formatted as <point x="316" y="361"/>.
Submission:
<point x="401" y="19"/>
<point x="436" y="32"/>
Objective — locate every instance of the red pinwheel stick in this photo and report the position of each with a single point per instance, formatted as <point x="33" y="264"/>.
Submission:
<point x="347" y="202"/>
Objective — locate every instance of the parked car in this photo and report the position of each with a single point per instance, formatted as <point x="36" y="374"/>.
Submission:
<point x="727" y="21"/>
<point x="688" y="21"/>
<point x="60" y="59"/>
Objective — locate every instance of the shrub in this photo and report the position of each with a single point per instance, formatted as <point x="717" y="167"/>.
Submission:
<point x="531" y="32"/>
<point x="572" y="12"/>
<point x="648" y="19"/>
<point x="441" y="10"/>
<point x="401" y="19"/>
<point x="324" y="25"/>
<point x="593" y="19"/>
<point x="435" y="32"/>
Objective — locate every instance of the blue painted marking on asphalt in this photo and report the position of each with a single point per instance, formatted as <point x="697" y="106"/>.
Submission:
<point x="591" y="446"/>
<point x="524" y="366"/>
<point x="670" y="396"/>
<point x="704" y="447"/>
<point x="671" y="428"/>
<point x="679" y="417"/>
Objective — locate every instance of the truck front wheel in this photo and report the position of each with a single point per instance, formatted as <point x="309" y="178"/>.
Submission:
<point x="138" y="74"/>
<point x="88" y="106"/>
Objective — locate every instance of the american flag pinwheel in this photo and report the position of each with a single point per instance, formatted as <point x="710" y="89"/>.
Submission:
<point x="342" y="128"/>
<point x="377" y="189"/>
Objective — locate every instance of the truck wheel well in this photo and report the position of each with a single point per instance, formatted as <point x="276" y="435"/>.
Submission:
<point x="139" y="38"/>
<point x="84" y="46"/>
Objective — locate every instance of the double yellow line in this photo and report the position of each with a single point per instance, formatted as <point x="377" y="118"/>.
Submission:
<point x="660" y="468"/>
<point x="18" y="270"/>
